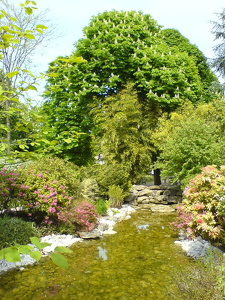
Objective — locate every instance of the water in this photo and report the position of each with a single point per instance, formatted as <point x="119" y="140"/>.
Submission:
<point x="137" y="263"/>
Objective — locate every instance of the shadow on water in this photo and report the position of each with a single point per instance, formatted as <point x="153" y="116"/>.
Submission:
<point x="137" y="263"/>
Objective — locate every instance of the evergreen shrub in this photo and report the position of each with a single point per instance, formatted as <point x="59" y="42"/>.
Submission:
<point x="15" y="230"/>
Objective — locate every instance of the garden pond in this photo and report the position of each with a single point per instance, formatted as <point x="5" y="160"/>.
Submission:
<point x="137" y="263"/>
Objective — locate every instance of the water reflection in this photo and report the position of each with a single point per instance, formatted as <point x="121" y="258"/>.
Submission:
<point x="102" y="253"/>
<point x="142" y="227"/>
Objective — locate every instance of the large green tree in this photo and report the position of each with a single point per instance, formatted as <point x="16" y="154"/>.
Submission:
<point x="120" y="47"/>
<point x="219" y="49"/>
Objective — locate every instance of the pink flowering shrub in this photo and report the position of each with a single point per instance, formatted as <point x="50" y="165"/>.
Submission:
<point x="203" y="208"/>
<point x="83" y="216"/>
<point x="10" y="190"/>
<point x="44" y="194"/>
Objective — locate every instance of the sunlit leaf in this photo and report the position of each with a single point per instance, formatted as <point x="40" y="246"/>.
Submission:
<point x="59" y="260"/>
<point x="28" y="10"/>
<point x="35" y="255"/>
<point x="52" y="74"/>
<point x="24" y="249"/>
<point x="11" y="74"/>
<point x="11" y="254"/>
<point x="62" y="249"/>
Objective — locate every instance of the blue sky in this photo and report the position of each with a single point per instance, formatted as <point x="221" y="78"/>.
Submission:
<point x="190" y="17"/>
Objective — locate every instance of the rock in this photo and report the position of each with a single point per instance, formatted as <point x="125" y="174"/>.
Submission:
<point x="94" y="234"/>
<point x="161" y="208"/>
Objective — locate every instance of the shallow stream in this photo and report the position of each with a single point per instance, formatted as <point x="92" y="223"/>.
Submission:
<point x="137" y="263"/>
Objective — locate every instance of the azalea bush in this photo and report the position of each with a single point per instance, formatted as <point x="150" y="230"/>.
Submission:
<point x="10" y="190"/>
<point x="82" y="216"/>
<point x="203" y="208"/>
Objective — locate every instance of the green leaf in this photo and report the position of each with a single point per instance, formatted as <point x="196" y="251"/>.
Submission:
<point x="30" y="36"/>
<point x="31" y="87"/>
<point x="41" y="27"/>
<point x="52" y="74"/>
<point x="36" y="255"/>
<point x="25" y="249"/>
<point x="11" y="254"/>
<point x="1" y="254"/>
<point x="13" y="19"/>
<point x="28" y="10"/>
<point x="38" y="244"/>
<point x="11" y="74"/>
<point x="62" y="249"/>
<point x="59" y="260"/>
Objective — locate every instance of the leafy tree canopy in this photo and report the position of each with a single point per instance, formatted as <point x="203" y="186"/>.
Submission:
<point x="118" y="47"/>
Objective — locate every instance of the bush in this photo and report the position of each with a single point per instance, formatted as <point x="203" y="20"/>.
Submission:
<point x="190" y="139"/>
<point x="101" y="206"/>
<point x="116" y="196"/>
<point x="9" y="189"/>
<point x="48" y="185"/>
<point x="15" y="230"/>
<point x="109" y="174"/>
<point x="89" y="189"/>
<point x="202" y="211"/>
<point x="82" y="216"/>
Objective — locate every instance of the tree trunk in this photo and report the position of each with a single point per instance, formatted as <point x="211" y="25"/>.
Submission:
<point x="157" y="177"/>
<point x="8" y="147"/>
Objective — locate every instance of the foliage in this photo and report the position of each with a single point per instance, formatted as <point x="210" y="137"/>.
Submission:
<point x="44" y="186"/>
<point x="174" y="39"/>
<point x="15" y="230"/>
<point x="22" y="32"/>
<point x="68" y="129"/>
<point x="203" y="279"/>
<point x="109" y="174"/>
<point x="118" y="47"/>
<point x="202" y="211"/>
<point x="125" y="135"/>
<point x="9" y="191"/>
<point x="83" y="216"/>
<point x="189" y="139"/>
<point x="49" y="185"/>
<point x="89" y="189"/>
<point x="101" y="206"/>
<point x="66" y="173"/>
<point x="218" y="30"/>
<point x="12" y="254"/>
<point x="116" y="196"/>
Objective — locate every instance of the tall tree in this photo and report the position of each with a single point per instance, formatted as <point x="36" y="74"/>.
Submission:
<point x="13" y="37"/>
<point x="119" y="47"/>
<point x="21" y="34"/>
<point x="125" y="136"/>
<point x="219" y="50"/>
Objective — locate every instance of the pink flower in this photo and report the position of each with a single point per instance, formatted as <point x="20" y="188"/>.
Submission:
<point x="52" y="210"/>
<point x="200" y="221"/>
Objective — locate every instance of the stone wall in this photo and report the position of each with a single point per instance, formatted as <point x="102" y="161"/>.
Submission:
<point x="154" y="197"/>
